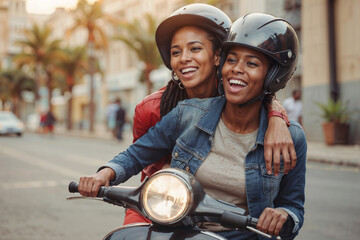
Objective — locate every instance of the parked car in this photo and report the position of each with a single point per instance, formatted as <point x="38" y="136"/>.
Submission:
<point x="10" y="124"/>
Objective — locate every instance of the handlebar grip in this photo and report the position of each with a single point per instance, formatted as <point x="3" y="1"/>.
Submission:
<point x="253" y="222"/>
<point x="230" y="219"/>
<point x="73" y="187"/>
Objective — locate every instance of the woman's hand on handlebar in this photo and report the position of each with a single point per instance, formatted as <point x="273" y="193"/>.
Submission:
<point x="90" y="185"/>
<point x="272" y="220"/>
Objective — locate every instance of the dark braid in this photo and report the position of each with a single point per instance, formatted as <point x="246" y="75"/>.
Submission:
<point x="268" y="98"/>
<point x="170" y="98"/>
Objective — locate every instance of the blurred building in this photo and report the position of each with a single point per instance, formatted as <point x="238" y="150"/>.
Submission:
<point x="331" y="60"/>
<point x="4" y="30"/>
<point x="13" y="20"/>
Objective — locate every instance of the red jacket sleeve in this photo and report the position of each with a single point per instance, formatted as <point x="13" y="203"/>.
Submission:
<point x="147" y="114"/>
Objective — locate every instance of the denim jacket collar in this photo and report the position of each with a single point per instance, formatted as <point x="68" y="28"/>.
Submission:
<point x="209" y="121"/>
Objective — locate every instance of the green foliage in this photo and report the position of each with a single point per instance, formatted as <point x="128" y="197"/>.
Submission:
<point x="334" y="111"/>
<point x="13" y="82"/>
<point x="92" y="18"/>
<point x="141" y="39"/>
<point x="39" y="51"/>
<point x="37" y="46"/>
<point x="73" y="64"/>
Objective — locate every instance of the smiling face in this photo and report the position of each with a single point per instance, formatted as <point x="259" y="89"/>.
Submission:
<point x="243" y="74"/>
<point x="193" y="60"/>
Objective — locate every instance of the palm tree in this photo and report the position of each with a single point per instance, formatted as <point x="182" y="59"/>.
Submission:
<point x="39" y="51"/>
<point x="92" y="18"/>
<point x="142" y="41"/>
<point x="12" y="83"/>
<point x="73" y="65"/>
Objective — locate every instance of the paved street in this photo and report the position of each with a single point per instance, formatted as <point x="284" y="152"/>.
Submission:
<point x="34" y="175"/>
<point x="36" y="169"/>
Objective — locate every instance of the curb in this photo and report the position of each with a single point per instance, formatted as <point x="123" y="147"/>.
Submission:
<point x="338" y="163"/>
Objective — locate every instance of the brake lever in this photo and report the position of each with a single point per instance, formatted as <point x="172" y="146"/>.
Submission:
<point x="261" y="233"/>
<point x="105" y="199"/>
<point x="82" y="197"/>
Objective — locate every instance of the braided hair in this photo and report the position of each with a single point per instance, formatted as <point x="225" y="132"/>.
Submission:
<point x="170" y="98"/>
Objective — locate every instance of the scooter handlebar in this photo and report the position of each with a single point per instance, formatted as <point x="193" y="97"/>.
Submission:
<point x="230" y="219"/>
<point x="73" y="188"/>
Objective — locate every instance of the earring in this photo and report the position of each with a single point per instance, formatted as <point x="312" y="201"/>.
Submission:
<point x="174" y="76"/>
<point x="176" y="80"/>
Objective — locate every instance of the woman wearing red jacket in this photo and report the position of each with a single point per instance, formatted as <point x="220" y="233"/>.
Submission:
<point x="189" y="42"/>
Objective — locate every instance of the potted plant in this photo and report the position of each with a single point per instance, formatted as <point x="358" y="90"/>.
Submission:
<point x="335" y="127"/>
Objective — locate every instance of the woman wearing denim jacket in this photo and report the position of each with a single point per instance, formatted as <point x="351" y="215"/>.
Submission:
<point x="221" y="140"/>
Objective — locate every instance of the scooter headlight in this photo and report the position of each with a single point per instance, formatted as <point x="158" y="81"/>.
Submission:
<point x="166" y="198"/>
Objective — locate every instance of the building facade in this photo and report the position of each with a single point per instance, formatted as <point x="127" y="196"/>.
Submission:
<point x="4" y="30"/>
<point x="13" y="20"/>
<point x="331" y="51"/>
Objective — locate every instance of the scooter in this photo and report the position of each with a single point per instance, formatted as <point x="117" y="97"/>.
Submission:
<point x="175" y="202"/>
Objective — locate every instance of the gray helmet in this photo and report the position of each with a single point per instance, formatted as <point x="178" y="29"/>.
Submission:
<point x="198" y="14"/>
<point x="272" y="36"/>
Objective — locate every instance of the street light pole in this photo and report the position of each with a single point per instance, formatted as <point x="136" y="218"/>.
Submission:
<point x="91" y="55"/>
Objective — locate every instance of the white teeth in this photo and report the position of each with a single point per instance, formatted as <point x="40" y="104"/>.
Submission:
<point x="186" y="70"/>
<point x="237" y="82"/>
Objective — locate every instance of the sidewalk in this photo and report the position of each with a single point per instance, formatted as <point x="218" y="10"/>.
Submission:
<point x="347" y="155"/>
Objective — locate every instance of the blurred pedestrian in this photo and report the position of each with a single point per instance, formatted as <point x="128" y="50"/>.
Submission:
<point x="42" y="122"/>
<point x="120" y="120"/>
<point x="111" y="116"/>
<point x="293" y="106"/>
<point x="49" y="122"/>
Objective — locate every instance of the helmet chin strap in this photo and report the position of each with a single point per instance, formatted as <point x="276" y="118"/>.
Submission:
<point x="258" y="98"/>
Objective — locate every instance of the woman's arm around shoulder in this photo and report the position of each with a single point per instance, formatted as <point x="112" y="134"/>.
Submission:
<point x="278" y="141"/>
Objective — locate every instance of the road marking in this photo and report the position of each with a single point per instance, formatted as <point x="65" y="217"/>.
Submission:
<point x="40" y="163"/>
<point x="33" y="184"/>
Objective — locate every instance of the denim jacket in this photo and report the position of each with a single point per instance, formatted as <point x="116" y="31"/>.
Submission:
<point x="187" y="132"/>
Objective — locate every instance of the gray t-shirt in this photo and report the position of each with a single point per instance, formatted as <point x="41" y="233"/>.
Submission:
<point x="222" y="175"/>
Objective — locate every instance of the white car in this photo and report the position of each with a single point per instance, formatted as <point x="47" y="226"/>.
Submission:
<point x="10" y="124"/>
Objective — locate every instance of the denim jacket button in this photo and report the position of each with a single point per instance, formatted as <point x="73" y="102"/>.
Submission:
<point x="187" y="169"/>
<point x="176" y="155"/>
